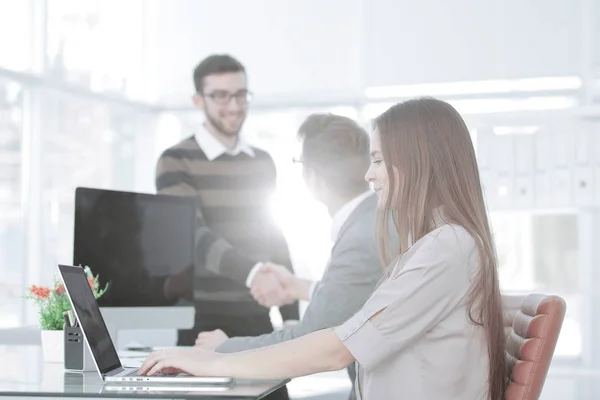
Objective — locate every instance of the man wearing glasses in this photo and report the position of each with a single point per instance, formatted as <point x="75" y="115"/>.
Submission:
<point x="236" y="235"/>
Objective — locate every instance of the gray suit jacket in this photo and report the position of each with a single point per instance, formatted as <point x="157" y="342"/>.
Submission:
<point x="353" y="271"/>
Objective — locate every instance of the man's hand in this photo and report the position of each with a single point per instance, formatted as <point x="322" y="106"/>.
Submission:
<point x="272" y="287"/>
<point x="211" y="340"/>
<point x="283" y="275"/>
<point x="297" y="288"/>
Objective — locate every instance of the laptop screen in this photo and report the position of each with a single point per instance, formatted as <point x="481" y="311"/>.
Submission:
<point x="89" y="317"/>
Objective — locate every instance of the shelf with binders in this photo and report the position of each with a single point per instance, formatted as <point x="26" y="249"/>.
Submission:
<point x="555" y="167"/>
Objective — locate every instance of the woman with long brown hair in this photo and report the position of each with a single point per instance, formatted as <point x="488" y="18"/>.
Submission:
<point x="433" y="329"/>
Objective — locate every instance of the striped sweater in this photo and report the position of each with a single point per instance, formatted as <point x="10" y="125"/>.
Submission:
<point x="235" y="227"/>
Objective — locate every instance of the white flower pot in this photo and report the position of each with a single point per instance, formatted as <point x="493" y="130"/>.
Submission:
<point x="53" y="346"/>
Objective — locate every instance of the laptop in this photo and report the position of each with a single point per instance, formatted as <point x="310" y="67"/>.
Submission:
<point x="101" y="345"/>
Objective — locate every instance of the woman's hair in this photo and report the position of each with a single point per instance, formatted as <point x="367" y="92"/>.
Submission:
<point x="430" y="163"/>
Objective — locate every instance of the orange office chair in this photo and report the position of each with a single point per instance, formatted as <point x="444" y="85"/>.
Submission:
<point x="531" y="341"/>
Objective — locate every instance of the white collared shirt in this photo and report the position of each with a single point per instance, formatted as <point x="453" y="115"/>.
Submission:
<point x="213" y="148"/>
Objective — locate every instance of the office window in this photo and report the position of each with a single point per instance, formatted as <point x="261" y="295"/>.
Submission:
<point x="84" y="143"/>
<point x="96" y="44"/>
<point x="16" y="35"/>
<point x="11" y="212"/>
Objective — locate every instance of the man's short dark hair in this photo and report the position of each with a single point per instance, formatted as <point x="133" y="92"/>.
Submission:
<point x="213" y="65"/>
<point x="337" y="148"/>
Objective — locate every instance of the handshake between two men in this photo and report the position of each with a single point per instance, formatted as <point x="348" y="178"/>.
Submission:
<point x="273" y="285"/>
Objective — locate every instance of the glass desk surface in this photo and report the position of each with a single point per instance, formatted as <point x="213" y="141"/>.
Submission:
<point x="24" y="374"/>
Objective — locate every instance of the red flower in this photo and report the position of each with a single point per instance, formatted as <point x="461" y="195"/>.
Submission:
<point x="60" y="289"/>
<point x="91" y="282"/>
<point x="40" y="291"/>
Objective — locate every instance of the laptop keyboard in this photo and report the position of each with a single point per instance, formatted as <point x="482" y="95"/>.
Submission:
<point x="135" y="373"/>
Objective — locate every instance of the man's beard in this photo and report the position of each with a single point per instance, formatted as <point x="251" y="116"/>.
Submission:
<point x="221" y="128"/>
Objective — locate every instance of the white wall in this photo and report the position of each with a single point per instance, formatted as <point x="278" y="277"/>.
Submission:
<point x="289" y="48"/>
<point x="443" y="41"/>
<point x="596" y="34"/>
<point x="319" y="49"/>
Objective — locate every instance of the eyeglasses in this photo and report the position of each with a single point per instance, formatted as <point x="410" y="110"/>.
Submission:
<point x="223" y="97"/>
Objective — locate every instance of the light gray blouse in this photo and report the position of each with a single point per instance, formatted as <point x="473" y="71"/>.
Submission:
<point x="422" y="344"/>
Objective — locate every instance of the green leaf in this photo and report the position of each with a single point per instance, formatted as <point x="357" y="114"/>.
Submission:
<point x="51" y="309"/>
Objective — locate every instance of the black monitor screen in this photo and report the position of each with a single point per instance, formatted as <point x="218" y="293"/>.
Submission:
<point x="134" y="241"/>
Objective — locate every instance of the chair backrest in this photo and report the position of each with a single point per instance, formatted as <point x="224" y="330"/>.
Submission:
<point x="531" y="342"/>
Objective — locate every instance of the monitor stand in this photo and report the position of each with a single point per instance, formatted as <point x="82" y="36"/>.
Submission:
<point x="133" y="318"/>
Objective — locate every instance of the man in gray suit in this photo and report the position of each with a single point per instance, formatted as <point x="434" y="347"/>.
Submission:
<point x="335" y="156"/>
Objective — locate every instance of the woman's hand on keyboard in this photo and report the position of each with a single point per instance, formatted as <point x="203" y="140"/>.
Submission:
<point x="192" y="361"/>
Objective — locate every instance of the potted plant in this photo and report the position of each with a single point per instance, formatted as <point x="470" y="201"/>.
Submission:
<point x="52" y="303"/>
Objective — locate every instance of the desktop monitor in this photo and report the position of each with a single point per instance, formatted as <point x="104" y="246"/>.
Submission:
<point x="136" y="241"/>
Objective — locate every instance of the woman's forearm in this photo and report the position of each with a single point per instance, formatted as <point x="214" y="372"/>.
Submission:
<point x="317" y="352"/>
